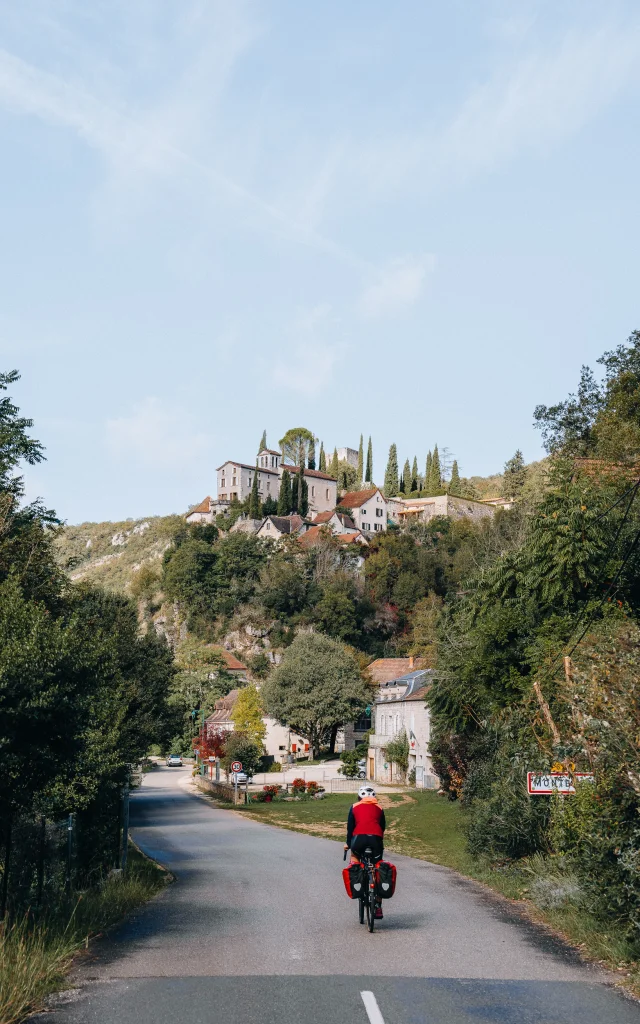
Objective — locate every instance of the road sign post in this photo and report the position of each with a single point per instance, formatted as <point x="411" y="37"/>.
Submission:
<point x="547" y="783"/>
<point x="236" y="766"/>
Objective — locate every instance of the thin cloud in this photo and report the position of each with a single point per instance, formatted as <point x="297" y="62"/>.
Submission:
<point x="306" y="363"/>
<point x="156" y="436"/>
<point x="397" y="287"/>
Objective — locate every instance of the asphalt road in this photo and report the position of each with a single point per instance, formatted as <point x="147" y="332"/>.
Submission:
<point x="257" y="929"/>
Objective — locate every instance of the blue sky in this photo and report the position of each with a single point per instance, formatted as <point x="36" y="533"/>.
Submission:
<point x="415" y="220"/>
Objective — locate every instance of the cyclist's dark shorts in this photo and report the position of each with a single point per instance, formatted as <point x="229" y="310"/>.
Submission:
<point x="360" y="843"/>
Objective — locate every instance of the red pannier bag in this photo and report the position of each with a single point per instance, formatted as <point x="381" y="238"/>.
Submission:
<point x="385" y="879"/>
<point x="353" y="879"/>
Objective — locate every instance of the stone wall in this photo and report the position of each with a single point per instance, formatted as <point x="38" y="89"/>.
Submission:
<point x="223" y="790"/>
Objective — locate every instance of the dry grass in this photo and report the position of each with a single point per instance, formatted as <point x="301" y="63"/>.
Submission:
<point x="36" y="955"/>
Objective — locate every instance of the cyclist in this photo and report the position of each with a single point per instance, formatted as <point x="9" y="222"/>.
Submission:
<point x="365" y="828"/>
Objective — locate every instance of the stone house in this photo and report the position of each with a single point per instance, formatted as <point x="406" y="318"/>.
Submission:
<point x="400" y="709"/>
<point x="337" y="522"/>
<point x="368" y="509"/>
<point x="402" y="510"/>
<point x="276" y="527"/>
<point x="202" y="513"/>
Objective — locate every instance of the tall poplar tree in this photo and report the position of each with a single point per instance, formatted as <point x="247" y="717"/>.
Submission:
<point x="455" y="486"/>
<point x="303" y="496"/>
<point x="311" y="454"/>
<point x="284" y="498"/>
<point x="263" y="442"/>
<point x="361" y="460"/>
<point x="414" y="474"/>
<point x="391" y="474"/>
<point x="255" y="508"/>
<point x="427" y="471"/>
<point x="335" y="466"/>
<point x="322" y="465"/>
<point x="369" y="470"/>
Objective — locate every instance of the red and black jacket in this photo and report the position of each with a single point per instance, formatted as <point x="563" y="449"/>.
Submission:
<point x="366" y="818"/>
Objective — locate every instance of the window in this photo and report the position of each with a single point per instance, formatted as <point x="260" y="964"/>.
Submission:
<point x="313" y="492"/>
<point x="234" y="482"/>
<point x="377" y="526"/>
<point x="379" y="512"/>
<point x="366" y="526"/>
<point x="223" y="482"/>
<point x="268" y="486"/>
<point x="328" y="494"/>
<point x="268" y="525"/>
<point x="362" y="724"/>
<point x="363" y="511"/>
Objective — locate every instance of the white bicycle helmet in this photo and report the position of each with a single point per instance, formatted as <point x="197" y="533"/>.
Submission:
<point x="366" y="791"/>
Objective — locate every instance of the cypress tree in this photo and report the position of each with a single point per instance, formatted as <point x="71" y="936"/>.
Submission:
<point x="263" y="442"/>
<point x="322" y="466"/>
<point x="406" y="477"/>
<point x="369" y="471"/>
<point x="311" y="454"/>
<point x="333" y="470"/>
<point x="427" y="472"/>
<point x="361" y="460"/>
<point x="294" y="493"/>
<point x="436" y="473"/>
<point x="255" y="509"/>
<point x="414" y="474"/>
<point x="284" y="498"/>
<point x="455" y="486"/>
<point x="303" y="499"/>
<point x="391" y="474"/>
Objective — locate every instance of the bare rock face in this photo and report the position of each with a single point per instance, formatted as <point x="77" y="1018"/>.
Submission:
<point x="119" y="539"/>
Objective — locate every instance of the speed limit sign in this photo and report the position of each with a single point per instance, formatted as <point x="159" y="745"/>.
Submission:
<point x="236" y="766"/>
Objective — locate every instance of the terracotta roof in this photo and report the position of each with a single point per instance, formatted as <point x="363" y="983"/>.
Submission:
<point x="351" y="538"/>
<point x="384" y="670"/>
<point x="245" y="465"/>
<point x="310" y="537"/>
<point x="310" y="472"/>
<point x="204" y="506"/>
<point x="230" y="660"/>
<point x="323" y="517"/>
<point x="354" y="499"/>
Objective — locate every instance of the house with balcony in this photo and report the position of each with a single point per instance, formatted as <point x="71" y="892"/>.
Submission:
<point x="400" y="709"/>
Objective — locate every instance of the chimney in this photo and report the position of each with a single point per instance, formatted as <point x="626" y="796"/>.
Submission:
<point x="410" y="662"/>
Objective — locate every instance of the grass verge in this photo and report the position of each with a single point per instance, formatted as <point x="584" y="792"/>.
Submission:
<point x="36" y="955"/>
<point x="426" y="826"/>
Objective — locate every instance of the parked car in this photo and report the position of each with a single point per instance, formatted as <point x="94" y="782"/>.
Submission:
<point x="362" y="769"/>
<point x="174" y="761"/>
<point x="239" y="777"/>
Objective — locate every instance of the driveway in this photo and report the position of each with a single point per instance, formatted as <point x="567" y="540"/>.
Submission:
<point x="257" y="929"/>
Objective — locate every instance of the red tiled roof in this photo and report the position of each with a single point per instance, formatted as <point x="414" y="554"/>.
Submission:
<point x="310" y="472"/>
<point x="323" y="517"/>
<point x="419" y="694"/>
<point x="230" y="660"/>
<point x="383" y="670"/>
<point x="351" y="538"/>
<point x="354" y="499"/>
<point x="204" y="506"/>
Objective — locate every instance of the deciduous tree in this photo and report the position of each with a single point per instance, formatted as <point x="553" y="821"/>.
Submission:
<point x="247" y="715"/>
<point x="317" y="686"/>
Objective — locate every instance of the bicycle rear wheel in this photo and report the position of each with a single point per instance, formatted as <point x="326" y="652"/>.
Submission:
<point x="371" y="912"/>
<point x="361" y="910"/>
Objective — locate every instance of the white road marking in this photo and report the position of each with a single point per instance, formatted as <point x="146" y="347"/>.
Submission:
<point x="372" y="1008"/>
